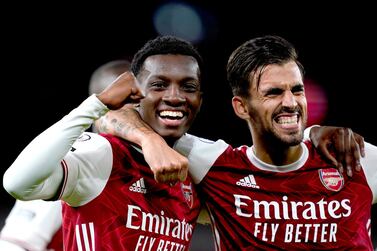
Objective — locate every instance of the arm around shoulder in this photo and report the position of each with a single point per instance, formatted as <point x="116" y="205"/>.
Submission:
<point x="201" y="153"/>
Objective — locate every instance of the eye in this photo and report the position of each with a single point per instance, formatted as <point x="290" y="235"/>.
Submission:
<point x="274" y="92"/>
<point x="190" y="87"/>
<point x="298" y="89"/>
<point x="158" y="85"/>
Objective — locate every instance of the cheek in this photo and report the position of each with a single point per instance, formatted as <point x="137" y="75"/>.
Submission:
<point x="264" y="115"/>
<point x="195" y="102"/>
<point x="304" y="105"/>
<point x="146" y="108"/>
<point x="262" y="109"/>
<point x="149" y="100"/>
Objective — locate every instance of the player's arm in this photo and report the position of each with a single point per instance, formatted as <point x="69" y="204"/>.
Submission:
<point x="347" y="146"/>
<point x="167" y="165"/>
<point x="37" y="173"/>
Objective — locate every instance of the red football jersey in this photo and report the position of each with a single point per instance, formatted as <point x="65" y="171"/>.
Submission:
<point x="307" y="205"/>
<point x="133" y="211"/>
<point x="313" y="207"/>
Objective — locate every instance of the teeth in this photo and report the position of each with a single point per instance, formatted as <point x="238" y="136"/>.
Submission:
<point x="287" y="120"/>
<point x="175" y="114"/>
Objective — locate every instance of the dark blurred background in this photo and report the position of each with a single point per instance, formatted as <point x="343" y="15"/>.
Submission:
<point x="50" y="50"/>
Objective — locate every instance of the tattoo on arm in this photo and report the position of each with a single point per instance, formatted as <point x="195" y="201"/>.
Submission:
<point x="102" y="125"/>
<point x="128" y="123"/>
<point x="134" y="123"/>
<point x="118" y="126"/>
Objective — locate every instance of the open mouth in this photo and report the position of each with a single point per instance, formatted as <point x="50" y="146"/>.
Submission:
<point x="287" y="120"/>
<point x="172" y="118"/>
<point x="175" y="115"/>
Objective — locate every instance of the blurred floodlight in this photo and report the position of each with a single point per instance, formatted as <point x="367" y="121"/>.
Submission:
<point x="317" y="102"/>
<point x="180" y="20"/>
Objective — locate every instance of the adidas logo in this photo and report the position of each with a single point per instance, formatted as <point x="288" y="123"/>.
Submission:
<point x="248" y="181"/>
<point x="138" y="186"/>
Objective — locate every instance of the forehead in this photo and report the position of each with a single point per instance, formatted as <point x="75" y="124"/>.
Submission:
<point x="170" y="64"/>
<point x="275" y="75"/>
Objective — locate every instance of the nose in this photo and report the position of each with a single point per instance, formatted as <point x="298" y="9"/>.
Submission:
<point x="289" y="100"/>
<point x="173" y="96"/>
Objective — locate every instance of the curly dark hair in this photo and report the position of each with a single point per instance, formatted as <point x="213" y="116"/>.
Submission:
<point x="164" y="45"/>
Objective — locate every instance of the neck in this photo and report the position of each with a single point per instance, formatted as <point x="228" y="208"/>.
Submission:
<point x="170" y="141"/>
<point x="277" y="154"/>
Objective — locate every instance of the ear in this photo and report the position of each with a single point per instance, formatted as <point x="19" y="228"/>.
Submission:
<point x="240" y="107"/>
<point x="201" y="100"/>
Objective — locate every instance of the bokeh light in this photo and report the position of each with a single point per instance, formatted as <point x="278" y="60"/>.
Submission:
<point x="317" y="102"/>
<point x="180" y="20"/>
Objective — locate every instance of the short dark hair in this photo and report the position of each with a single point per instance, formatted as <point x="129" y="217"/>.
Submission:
<point x="165" y="45"/>
<point x="253" y="56"/>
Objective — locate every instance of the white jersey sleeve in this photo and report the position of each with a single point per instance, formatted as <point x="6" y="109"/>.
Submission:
<point x="307" y="132"/>
<point x="201" y="153"/>
<point x="87" y="168"/>
<point x="38" y="171"/>
<point x="369" y="164"/>
<point x="31" y="225"/>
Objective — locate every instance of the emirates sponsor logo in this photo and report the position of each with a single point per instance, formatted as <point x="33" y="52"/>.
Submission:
<point x="158" y="224"/>
<point x="331" y="178"/>
<point x="287" y="209"/>
<point x="308" y="221"/>
<point x="187" y="194"/>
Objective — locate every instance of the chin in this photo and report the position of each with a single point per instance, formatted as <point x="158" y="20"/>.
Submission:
<point x="294" y="140"/>
<point x="290" y="140"/>
<point x="170" y="134"/>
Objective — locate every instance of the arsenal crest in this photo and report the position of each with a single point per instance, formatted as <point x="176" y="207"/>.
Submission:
<point x="187" y="194"/>
<point x="331" y="178"/>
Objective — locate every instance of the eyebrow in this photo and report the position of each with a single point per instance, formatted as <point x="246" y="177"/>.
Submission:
<point x="297" y="86"/>
<point x="162" y="77"/>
